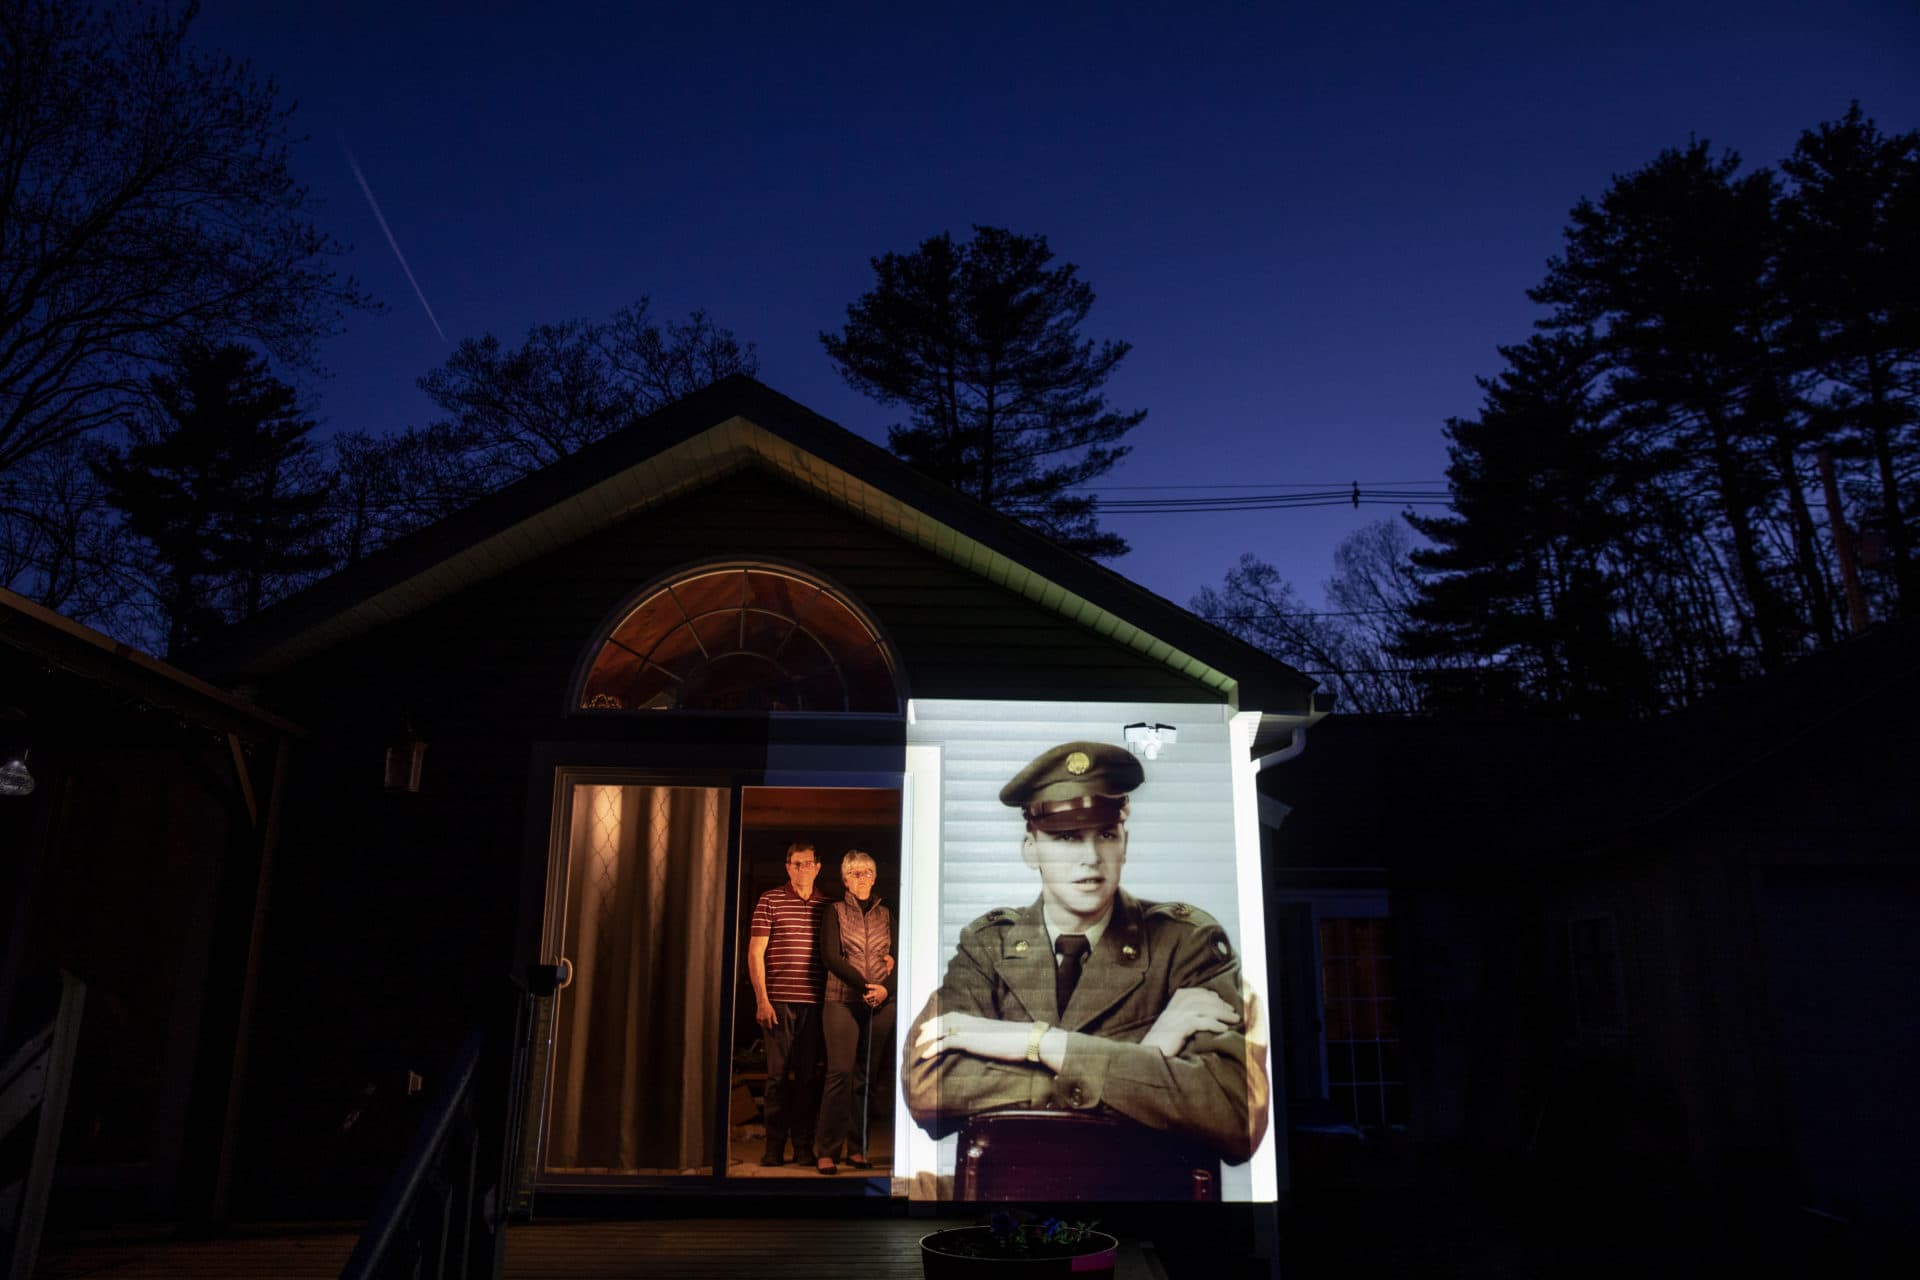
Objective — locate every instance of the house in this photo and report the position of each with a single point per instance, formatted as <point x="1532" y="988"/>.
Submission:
<point x="1681" y="955"/>
<point x="138" y="861"/>
<point x="576" y="726"/>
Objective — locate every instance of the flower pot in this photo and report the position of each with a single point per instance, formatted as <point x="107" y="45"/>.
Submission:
<point x="961" y="1253"/>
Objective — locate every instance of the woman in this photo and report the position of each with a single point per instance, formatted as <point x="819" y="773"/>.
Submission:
<point x="855" y="940"/>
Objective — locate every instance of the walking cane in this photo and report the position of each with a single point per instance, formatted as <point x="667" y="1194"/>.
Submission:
<point x="866" y="1084"/>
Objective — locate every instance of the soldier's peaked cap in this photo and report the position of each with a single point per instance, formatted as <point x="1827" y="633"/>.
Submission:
<point x="1075" y="785"/>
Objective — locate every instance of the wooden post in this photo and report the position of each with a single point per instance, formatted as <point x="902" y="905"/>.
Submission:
<point x="36" y="1081"/>
<point x="1842" y="543"/>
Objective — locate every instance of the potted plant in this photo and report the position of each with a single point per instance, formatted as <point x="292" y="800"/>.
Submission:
<point x="1008" y="1246"/>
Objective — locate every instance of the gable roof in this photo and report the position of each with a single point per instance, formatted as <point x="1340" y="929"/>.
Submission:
<point x="1433" y="793"/>
<point x="739" y="422"/>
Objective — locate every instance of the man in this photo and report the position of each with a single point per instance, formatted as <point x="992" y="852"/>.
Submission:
<point x="787" y="980"/>
<point x="1089" y="999"/>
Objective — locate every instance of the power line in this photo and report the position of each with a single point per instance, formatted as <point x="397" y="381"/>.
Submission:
<point x="1303" y="613"/>
<point x="1313" y="484"/>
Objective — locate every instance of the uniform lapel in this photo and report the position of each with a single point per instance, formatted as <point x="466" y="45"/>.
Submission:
<point x="1115" y="968"/>
<point x="1026" y="965"/>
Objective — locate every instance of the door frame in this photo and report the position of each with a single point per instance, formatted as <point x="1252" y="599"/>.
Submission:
<point x="550" y="900"/>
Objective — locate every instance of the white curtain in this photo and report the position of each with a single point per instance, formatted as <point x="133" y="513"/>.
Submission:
<point x="635" y="1077"/>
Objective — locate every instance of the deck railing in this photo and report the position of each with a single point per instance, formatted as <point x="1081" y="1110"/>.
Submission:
<point x="444" y="1211"/>
<point x="33" y="1095"/>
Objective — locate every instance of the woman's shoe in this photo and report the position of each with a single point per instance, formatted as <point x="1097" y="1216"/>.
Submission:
<point x="827" y="1166"/>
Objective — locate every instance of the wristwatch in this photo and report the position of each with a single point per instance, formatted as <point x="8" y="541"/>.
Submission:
<point x="1034" y="1033"/>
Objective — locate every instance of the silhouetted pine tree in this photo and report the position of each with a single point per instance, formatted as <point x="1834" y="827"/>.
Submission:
<point x="1673" y="270"/>
<point x="222" y="490"/>
<point x="981" y="342"/>
<point x="1850" y="274"/>
<point x="1523" y="577"/>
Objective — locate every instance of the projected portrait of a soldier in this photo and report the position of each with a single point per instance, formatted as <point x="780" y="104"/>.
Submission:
<point x="1087" y="999"/>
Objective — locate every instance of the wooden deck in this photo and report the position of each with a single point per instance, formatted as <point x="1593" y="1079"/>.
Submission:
<point x="691" y="1248"/>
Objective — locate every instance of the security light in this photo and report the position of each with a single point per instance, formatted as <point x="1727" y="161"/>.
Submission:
<point x="1145" y="740"/>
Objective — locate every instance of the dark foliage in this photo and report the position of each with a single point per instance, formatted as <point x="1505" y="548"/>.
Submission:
<point x="981" y="343"/>
<point x="1638" y="514"/>
<point x="145" y="203"/>
<point x="513" y="410"/>
<point x="221" y="490"/>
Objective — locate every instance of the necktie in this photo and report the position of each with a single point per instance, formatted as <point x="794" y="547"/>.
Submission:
<point x="1073" y="950"/>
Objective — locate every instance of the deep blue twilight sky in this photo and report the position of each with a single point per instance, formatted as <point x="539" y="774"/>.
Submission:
<point x="1314" y="222"/>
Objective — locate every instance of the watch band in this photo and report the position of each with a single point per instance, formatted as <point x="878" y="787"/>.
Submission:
<point x="1034" y="1033"/>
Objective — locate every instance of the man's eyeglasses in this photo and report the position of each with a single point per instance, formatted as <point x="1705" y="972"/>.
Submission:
<point x="796" y="862"/>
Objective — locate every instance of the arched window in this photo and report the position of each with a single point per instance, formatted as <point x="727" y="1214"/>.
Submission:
<point x="742" y="639"/>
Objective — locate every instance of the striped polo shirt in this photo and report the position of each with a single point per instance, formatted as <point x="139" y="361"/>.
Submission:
<point x="794" y="973"/>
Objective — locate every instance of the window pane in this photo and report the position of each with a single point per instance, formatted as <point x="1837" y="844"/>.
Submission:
<point x="765" y="632"/>
<point x="641" y="629"/>
<point x="609" y="684"/>
<point x="1364" y="1026"/>
<point x="711" y="591"/>
<point x="632" y="1090"/>
<point x="1386" y="1018"/>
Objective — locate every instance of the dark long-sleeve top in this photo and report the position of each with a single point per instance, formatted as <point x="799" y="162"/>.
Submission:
<point x="827" y="943"/>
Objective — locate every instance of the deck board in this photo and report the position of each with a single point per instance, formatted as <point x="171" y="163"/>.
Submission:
<point x="689" y="1248"/>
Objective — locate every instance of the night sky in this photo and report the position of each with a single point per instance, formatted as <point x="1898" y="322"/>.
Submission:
<point x="1314" y="227"/>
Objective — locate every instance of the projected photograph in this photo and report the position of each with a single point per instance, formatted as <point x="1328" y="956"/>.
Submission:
<point x="1089" y="1028"/>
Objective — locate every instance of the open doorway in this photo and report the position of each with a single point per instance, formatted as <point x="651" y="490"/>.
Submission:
<point x="834" y="821"/>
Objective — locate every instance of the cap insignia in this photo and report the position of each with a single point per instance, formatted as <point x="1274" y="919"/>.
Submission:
<point x="1078" y="763"/>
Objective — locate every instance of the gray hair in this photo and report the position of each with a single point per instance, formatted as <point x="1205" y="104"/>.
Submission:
<point x="857" y="858"/>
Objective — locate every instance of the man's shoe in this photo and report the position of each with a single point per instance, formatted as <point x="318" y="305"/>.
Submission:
<point x="771" y="1160"/>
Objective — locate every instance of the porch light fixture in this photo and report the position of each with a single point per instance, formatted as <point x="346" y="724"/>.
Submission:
<point x="15" y="778"/>
<point x="1145" y="740"/>
<point x="404" y="759"/>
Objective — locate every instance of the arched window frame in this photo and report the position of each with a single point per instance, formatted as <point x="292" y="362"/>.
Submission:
<point x="604" y="633"/>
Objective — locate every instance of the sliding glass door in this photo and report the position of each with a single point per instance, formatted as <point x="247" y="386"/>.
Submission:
<point x="633" y="1084"/>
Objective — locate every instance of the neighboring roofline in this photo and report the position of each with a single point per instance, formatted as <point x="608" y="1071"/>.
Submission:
<point x="735" y="423"/>
<point x="1832" y="705"/>
<point x="61" y="642"/>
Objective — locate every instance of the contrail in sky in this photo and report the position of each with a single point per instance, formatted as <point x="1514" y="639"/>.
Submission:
<point x="393" y="244"/>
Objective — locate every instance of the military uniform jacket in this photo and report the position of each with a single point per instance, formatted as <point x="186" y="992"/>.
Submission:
<point x="1003" y="968"/>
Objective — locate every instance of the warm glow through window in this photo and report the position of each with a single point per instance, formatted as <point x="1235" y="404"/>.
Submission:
<point x="742" y="639"/>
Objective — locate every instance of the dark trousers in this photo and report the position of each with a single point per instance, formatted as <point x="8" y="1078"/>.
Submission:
<point x="793" y="1042"/>
<point x="854" y="1035"/>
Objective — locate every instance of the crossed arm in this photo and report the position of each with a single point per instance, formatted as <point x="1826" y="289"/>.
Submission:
<point x="1187" y="1075"/>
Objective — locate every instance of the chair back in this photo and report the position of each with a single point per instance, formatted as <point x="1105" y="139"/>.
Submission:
<point x="1064" y="1155"/>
